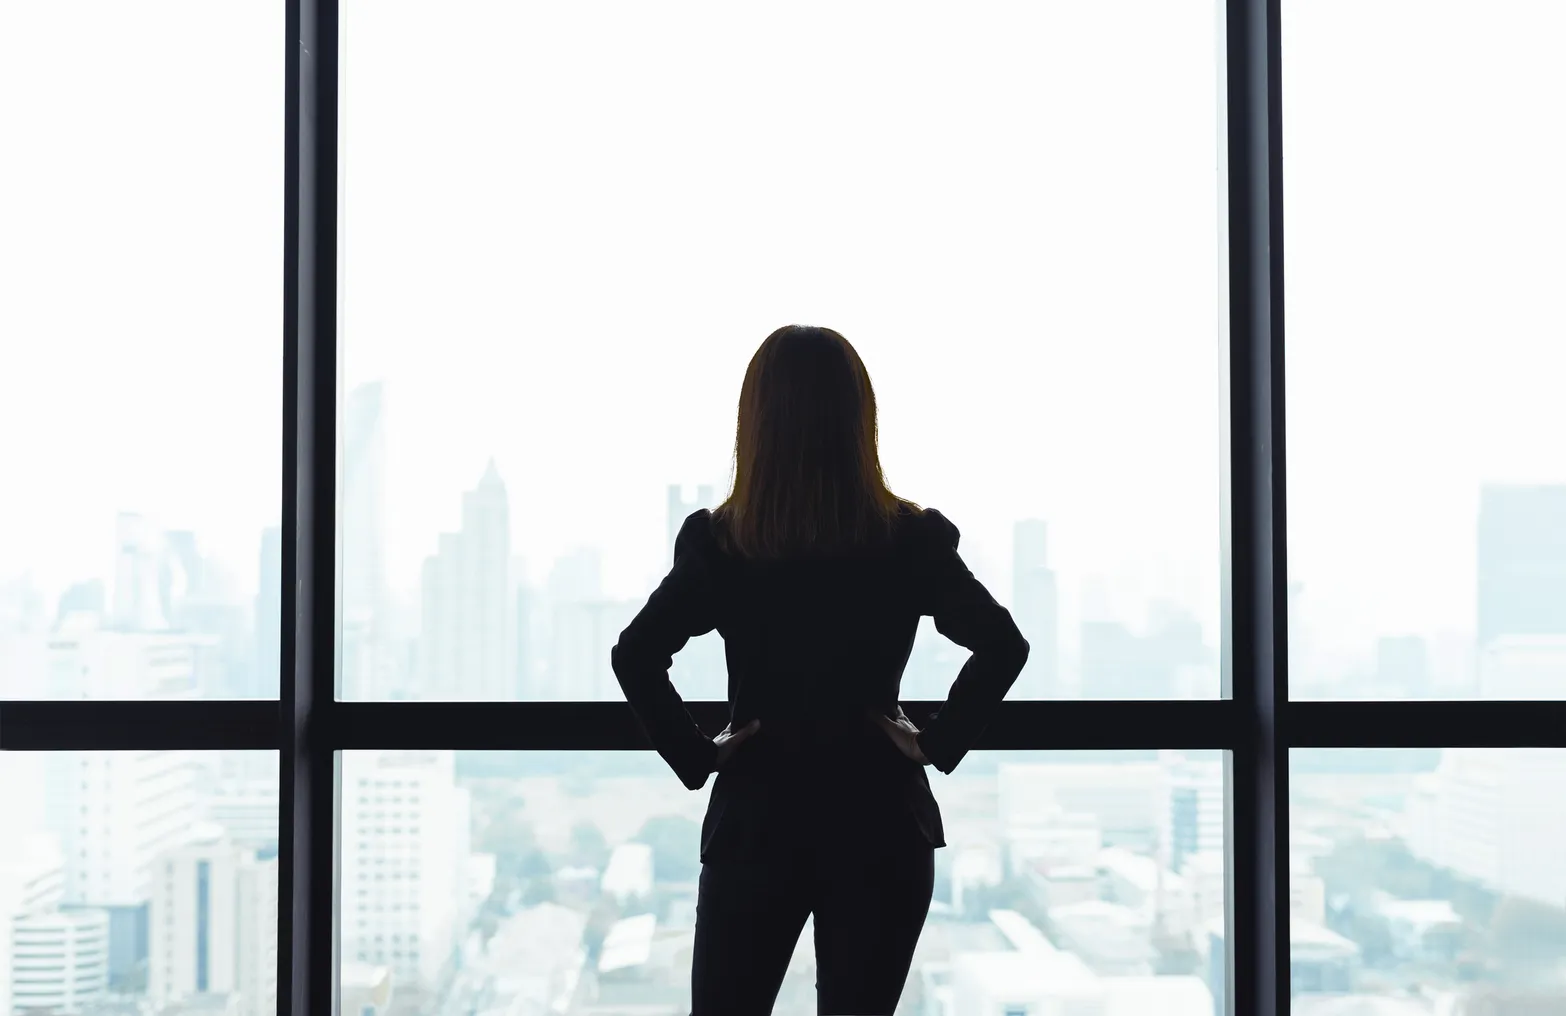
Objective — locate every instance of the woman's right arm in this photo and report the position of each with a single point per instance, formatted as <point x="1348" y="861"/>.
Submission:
<point x="965" y="612"/>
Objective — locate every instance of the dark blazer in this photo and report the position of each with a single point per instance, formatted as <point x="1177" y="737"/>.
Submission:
<point x="811" y="644"/>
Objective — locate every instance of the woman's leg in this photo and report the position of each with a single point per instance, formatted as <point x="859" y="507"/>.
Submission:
<point x="749" y="914"/>
<point x="869" y="912"/>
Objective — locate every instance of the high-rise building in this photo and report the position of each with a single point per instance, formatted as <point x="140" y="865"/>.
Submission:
<point x="59" y="961"/>
<point x="466" y="641"/>
<point x="138" y="602"/>
<point x="1522" y="561"/>
<point x="405" y="846"/>
<point x="1521" y="667"/>
<point x="30" y="883"/>
<point x="1035" y="600"/>
<point x="1481" y="815"/>
<point x="583" y="625"/>
<point x="526" y="646"/>
<point x="269" y="614"/>
<point x="86" y="661"/>
<point x="198" y="596"/>
<point x="213" y="924"/>
<point x="584" y="632"/>
<point x="1118" y="663"/>
<point x="114" y="813"/>
<point x="1193" y="808"/>
<point x="85" y="597"/>
<point x="247" y="810"/>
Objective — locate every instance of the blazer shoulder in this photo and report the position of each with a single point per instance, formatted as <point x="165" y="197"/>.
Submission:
<point x="929" y="530"/>
<point x="695" y="535"/>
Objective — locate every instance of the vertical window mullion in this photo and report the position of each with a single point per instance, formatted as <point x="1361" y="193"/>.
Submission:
<point x="1257" y="574"/>
<point x="306" y="952"/>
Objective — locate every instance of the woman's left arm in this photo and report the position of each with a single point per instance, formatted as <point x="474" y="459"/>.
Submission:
<point x="681" y="608"/>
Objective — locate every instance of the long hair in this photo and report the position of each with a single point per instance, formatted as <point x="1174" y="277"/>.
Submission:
<point x="807" y="473"/>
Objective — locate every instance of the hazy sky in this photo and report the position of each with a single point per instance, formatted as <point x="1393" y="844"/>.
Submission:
<point x="567" y="225"/>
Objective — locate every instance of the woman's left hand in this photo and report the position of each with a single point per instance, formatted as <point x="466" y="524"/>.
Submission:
<point x="730" y="739"/>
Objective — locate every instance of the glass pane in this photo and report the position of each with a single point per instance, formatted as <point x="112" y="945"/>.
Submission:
<point x="566" y="882"/>
<point x="141" y="238"/>
<point x="1428" y="882"/>
<point x="566" y="235"/>
<point x="139" y="882"/>
<point x="1425" y="145"/>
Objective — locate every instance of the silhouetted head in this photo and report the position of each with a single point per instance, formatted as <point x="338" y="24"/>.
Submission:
<point x="807" y="474"/>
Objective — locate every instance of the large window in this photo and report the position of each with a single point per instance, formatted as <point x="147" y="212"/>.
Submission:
<point x="1427" y="881"/>
<point x="521" y="881"/>
<point x="563" y="238"/>
<point x="139" y="881"/>
<point x="357" y="360"/>
<point x="140" y="395"/>
<point x="1424" y="146"/>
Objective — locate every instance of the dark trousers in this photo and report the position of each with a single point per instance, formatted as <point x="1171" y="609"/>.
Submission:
<point x="869" y="909"/>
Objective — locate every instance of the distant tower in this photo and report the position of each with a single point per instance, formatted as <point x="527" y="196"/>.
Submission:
<point x="466" y="642"/>
<point x="1522" y="562"/>
<point x="1036" y="604"/>
<point x="137" y="599"/>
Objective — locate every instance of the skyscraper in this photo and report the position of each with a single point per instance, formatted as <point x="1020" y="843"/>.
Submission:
<point x="466" y="639"/>
<point x="583" y="626"/>
<point x="213" y="924"/>
<point x="1193" y="808"/>
<point x="115" y="813"/>
<point x="59" y="961"/>
<point x="1490" y="814"/>
<point x="1170" y="661"/>
<point x="138" y="559"/>
<point x="1522" y="562"/>
<point x="405" y="845"/>
<point x="583" y="633"/>
<point x="1035" y="601"/>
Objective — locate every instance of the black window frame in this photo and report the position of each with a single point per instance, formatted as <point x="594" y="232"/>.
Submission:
<point x="1256" y="725"/>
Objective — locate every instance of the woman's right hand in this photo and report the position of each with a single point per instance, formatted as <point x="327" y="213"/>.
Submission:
<point x="729" y="740"/>
<point x="902" y="732"/>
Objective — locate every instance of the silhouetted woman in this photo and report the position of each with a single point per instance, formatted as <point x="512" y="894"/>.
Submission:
<point x="816" y="575"/>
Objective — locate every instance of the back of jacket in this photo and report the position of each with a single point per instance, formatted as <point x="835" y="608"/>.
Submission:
<point x="814" y="645"/>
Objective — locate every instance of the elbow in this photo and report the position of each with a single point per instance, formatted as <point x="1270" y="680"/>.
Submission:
<point x="620" y="663"/>
<point x="1020" y="650"/>
<point x="1014" y="652"/>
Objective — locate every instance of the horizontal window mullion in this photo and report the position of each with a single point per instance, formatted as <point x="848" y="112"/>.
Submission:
<point x="1425" y="724"/>
<point x="110" y="725"/>
<point x="611" y="726"/>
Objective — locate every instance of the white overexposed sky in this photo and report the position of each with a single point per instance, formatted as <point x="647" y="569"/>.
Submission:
<point x="567" y="225"/>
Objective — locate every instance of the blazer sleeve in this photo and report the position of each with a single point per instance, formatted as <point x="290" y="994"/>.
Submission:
<point x="965" y="612"/>
<point x="677" y="611"/>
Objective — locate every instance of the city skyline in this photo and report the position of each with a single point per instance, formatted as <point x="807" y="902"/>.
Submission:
<point x="164" y="581"/>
